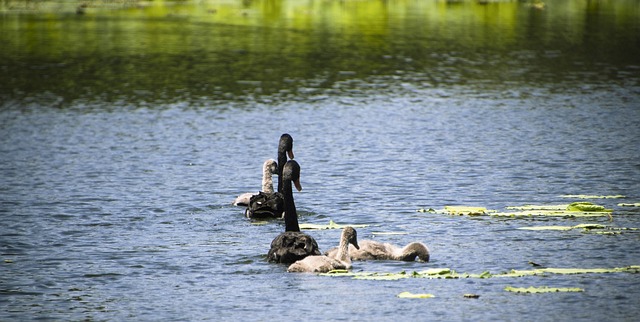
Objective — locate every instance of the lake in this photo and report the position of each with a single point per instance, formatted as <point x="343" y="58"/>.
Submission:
<point x="128" y="127"/>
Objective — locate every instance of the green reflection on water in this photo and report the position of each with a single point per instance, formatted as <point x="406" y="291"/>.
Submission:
<point x="58" y="52"/>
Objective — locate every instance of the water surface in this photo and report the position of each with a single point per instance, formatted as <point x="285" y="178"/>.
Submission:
<point x="126" y="131"/>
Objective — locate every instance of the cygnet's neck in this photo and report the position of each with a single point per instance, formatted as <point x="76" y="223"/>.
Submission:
<point x="267" y="180"/>
<point x="343" y="250"/>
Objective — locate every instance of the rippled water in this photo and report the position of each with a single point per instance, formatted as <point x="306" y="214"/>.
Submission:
<point x="120" y="210"/>
<point x="126" y="214"/>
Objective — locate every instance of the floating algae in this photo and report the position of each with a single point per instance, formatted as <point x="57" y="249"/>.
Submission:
<point x="409" y="295"/>
<point x="542" y="289"/>
<point x="331" y="225"/>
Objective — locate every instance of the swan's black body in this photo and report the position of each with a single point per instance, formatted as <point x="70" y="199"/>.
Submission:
<point x="265" y="205"/>
<point x="292" y="245"/>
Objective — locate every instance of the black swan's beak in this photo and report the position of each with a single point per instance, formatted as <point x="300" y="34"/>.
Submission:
<point x="290" y="153"/>
<point x="297" y="184"/>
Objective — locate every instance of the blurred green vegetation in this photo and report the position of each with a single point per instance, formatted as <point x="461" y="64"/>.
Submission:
<point x="170" y="51"/>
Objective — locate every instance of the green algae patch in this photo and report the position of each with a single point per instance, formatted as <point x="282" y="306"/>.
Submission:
<point x="586" y="228"/>
<point x="338" y="273"/>
<point x="518" y="273"/>
<point x="382" y="276"/>
<point x="572" y="210"/>
<point x="560" y="207"/>
<point x="547" y="228"/>
<point x="542" y="289"/>
<point x="467" y="210"/>
<point x="433" y="273"/>
<point x="458" y="211"/>
<point x="635" y="204"/>
<point x="551" y="213"/>
<point x="580" y="209"/>
<point x="447" y="273"/>
<point x="568" y="271"/>
<point x="572" y="271"/>
<point x="409" y="295"/>
<point x="592" y="197"/>
<point x="331" y="225"/>
<point x="582" y="206"/>
<point x="436" y="272"/>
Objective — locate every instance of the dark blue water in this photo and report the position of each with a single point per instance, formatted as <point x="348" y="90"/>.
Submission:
<point x="117" y="171"/>
<point x="126" y="214"/>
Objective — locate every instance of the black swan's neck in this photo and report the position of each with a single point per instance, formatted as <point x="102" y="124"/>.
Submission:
<point x="282" y="159"/>
<point x="290" y="214"/>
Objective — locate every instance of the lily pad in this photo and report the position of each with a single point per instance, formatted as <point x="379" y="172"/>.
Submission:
<point x="331" y="225"/>
<point x="409" y="295"/>
<point x="542" y="289"/>
<point x="587" y="207"/>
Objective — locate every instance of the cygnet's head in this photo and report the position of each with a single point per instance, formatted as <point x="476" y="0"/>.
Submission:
<point x="351" y="236"/>
<point x="272" y="166"/>
<point x="419" y="250"/>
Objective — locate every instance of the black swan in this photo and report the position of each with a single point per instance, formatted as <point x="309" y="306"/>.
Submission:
<point x="292" y="245"/>
<point x="370" y="249"/>
<point x="285" y="146"/>
<point x="323" y="264"/>
<point x="269" y="168"/>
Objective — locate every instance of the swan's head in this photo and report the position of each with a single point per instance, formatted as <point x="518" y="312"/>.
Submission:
<point x="291" y="172"/>
<point x="286" y="145"/>
<point x="351" y="236"/>
<point x="271" y="166"/>
<point x="417" y="249"/>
